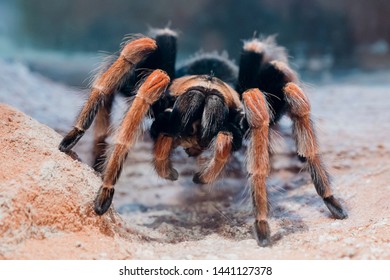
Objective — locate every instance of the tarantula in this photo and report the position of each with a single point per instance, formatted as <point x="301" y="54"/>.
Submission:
<point x="207" y="103"/>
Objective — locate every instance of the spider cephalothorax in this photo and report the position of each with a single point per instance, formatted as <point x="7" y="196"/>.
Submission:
<point x="207" y="103"/>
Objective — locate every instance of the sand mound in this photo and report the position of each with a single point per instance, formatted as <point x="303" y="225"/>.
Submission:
<point x="45" y="194"/>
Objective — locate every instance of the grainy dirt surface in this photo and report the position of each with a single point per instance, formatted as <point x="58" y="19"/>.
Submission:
<point x="180" y="220"/>
<point x="46" y="198"/>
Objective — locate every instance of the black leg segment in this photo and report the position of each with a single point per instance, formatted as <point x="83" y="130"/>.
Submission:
<point x="166" y="51"/>
<point x="249" y="69"/>
<point x="103" y="200"/>
<point x="71" y="139"/>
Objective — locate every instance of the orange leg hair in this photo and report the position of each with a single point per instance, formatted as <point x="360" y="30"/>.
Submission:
<point x="299" y="110"/>
<point x="222" y="149"/>
<point x="151" y="89"/>
<point x="256" y="109"/>
<point x="106" y="85"/>
<point x="162" y="162"/>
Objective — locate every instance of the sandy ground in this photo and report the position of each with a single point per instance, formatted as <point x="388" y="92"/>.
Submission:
<point x="180" y="220"/>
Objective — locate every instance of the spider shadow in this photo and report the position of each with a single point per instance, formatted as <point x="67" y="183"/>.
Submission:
<point x="223" y="209"/>
<point x="198" y="212"/>
<point x="291" y="210"/>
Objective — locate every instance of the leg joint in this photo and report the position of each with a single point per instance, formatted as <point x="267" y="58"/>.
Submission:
<point x="297" y="100"/>
<point x="136" y="50"/>
<point x="256" y="108"/>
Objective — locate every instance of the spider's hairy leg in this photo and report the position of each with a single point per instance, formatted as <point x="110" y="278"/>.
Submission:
<point x="101" y="132"/>
<point x="257" y="115"/>
<point x="222" y="146"/>
<point x="299" y="110"/>
<point x="165" y="57"/>
<point x="150" y="90"/>
<point x="162" y="162"/>
<point x="134" y="52"/>
<point x="249" y="66"/>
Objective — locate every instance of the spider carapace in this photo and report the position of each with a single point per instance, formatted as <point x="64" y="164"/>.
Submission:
<point x="207" y="103"/>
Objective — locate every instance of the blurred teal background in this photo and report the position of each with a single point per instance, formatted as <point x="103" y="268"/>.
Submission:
<point x="321" y="35"/>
